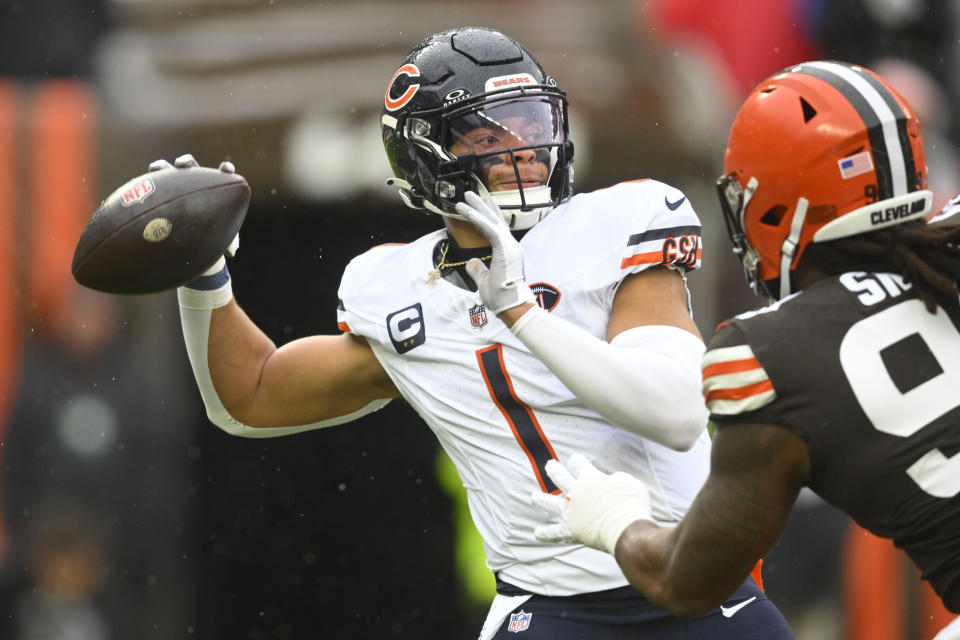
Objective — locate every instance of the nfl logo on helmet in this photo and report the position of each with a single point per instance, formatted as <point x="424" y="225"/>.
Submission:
<point x="519" y="621"/>
<point x="478" y="315"/>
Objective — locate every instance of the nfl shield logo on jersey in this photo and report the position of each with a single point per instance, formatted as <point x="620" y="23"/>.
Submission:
<point x="478" y="315"/>
<point x="519" y="621"/>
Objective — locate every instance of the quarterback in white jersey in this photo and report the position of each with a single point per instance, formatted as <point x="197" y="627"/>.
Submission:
<point x="499" y="412"/>
<point x="534" y="326"/>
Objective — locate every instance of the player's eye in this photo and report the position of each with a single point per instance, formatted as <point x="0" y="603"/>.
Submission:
<point x="486" y="141"/>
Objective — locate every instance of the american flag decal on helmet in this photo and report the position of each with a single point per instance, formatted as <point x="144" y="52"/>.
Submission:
<point x="734" y="381"/>
<point x="855" y="165"/>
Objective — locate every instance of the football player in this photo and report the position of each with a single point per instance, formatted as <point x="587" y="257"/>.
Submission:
<point x="849" y="383"/>
<point x="534" y="325"/>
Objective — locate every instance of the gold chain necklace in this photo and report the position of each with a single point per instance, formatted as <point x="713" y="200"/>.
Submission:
<point x="436" y="273"/>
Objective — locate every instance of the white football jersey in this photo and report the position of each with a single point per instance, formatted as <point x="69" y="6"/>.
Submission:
<point x="498" y="412"/>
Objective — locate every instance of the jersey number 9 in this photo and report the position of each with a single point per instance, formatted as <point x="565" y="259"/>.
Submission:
<point x="899" y="412"/>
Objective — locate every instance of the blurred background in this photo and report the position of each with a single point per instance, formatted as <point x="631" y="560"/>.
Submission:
<point x="125" y="514"/>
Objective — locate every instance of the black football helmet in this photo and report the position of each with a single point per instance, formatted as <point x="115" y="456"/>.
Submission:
<point x="463" y="104"/>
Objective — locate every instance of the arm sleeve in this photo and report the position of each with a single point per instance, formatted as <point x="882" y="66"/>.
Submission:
<point x="646" y="380"/>
<point x="196" y="308"/>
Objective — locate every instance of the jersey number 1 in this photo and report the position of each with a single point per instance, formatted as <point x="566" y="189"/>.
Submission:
<point x="904" y="413"/>
<point x="526" y="429"/>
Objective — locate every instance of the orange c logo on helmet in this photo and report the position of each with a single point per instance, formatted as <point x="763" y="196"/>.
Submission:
<point x="408" y="70"/>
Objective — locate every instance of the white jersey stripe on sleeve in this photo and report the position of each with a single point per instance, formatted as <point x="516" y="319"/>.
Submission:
<point x="727" y="354"/>
<point x="735" y="407"/>
<point x="734" y="381"/>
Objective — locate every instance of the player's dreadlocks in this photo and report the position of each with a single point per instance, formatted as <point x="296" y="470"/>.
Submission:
<point x="928" y="256"/>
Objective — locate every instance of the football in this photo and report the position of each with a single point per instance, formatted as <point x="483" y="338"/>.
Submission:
<point x="160" y="230"/>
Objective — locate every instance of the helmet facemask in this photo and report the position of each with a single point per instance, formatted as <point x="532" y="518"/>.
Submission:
<point x="733" y="204"/>
<point x="510" y="143"/>
<point x="509" y="146"/>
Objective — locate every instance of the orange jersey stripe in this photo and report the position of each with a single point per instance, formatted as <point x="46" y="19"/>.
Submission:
<point x="343" y="326"/>
<point x="650" y="257"/>
<point x="732" y="366"/>
<point x="740" y="393"/>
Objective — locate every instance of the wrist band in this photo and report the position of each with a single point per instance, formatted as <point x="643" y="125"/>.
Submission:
<point x="209" y="291"/>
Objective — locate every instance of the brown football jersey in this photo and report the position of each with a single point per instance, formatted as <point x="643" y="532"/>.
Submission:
<point x="857" y="367"/>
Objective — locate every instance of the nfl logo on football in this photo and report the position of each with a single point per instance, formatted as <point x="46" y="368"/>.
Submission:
<point x="519" y="621"/>
<point x="137" y="192"/>
<point x="478" y="315"/>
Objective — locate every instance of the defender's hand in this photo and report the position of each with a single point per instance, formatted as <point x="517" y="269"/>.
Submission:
<point x="596" y="507"/>
<point x="502" y="285"/>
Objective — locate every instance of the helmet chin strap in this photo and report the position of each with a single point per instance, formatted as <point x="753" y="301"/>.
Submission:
<point x="517" y="219"/>
<point x="789" y="248"/>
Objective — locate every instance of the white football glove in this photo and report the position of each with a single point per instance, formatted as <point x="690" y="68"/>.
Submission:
<point x="502" y="285"/>
<point x="187" y="161"/>
<point x="596" y="507"/>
